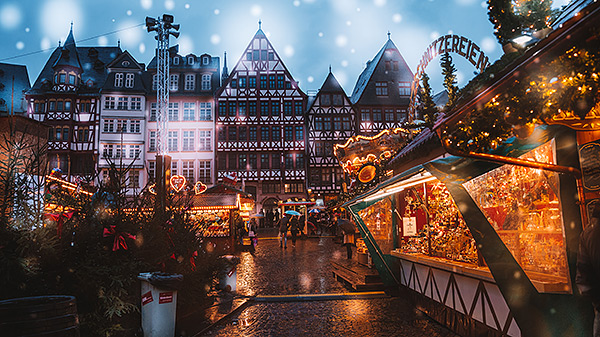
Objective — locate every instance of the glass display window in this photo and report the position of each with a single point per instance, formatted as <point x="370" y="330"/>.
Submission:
<point x="432" y="224"/>
<point x="522" y="205"/>
<point x="378" y="219"/>
<point x="212" y="223"/>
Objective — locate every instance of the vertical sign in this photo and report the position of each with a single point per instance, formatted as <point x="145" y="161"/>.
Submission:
<point x="409" y="226"/>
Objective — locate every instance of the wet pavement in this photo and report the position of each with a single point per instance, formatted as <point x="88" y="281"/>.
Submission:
<point x="306" y="269"/>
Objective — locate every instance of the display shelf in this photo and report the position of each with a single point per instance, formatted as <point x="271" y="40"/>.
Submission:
<point x="462" y="268"/>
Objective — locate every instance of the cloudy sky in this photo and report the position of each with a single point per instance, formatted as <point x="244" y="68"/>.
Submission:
<point x="309" y="35"/>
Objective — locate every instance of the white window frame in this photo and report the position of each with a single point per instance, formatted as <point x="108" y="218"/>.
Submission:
<point x="189" y="111"/>
<point x="109" y="102"/>
<point x="174" y="82"/>
<point x="205" y="82"/>
<point x="136" y="103"/>
<point x="172" y="140"/>
<point x="204" y="167"/>
<point x="190" y="60"/>
<point x="118" y="80"/>
<point x="122" y="102"/>
<point x="155" y="82"/>
<point x="205" y="111"/>
<point x="190" y="82"/>
<point x="135" y="126"/>
<point x="205" y="140"/>
<point x="129" y="80"/>
<point x="188" y="140"/>
<point x="152" y="141"/>
<point x="176" y="61"/>
<point x="173" y="112"/>
<point x="187" y="170"/>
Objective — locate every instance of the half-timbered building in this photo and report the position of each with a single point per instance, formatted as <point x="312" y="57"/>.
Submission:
<point x="330" y="120"/>
<point x="122" y="121"/>
<point x="381" y="95"/>
<point x="260" y="126"/>
<point x="193" y="81"/>
<point x="65" y="96"/>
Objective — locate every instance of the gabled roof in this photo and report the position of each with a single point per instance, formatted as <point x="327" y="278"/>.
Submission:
<point x="68" y="55"/>
<point x="240" y="63"/>
<point x="19" y="86"/>
<point x="330" y="86"/>
<point x="125" y="61"/>
<point x="367" y="74"/>
<point x="93" y="60"/>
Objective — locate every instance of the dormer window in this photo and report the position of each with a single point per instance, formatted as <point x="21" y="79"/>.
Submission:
<point x="89" y="83"/>
<point x="205" y="60"/>
<point x="129" y="81"/>
<point x="190" y="60"/>
<point x="125" y="63"/>
<point x="61" y="78"/>
<point x="72" y="79"/>
<point x="118" y="80"/>
<point x="176" y="61"/>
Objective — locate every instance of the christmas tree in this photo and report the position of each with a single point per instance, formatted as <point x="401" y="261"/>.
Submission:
<point x="449" y="73"/>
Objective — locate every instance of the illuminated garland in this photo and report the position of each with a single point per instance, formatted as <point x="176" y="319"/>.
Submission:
<point x="511" y="17"/>
<point x="568" y="84"/>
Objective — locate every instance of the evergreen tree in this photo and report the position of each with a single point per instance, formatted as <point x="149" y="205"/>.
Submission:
<point x="449" y="73"/>
<point x="533" y="14"/>
<point x="427" y="107"/>
<point x="506" y="23"/>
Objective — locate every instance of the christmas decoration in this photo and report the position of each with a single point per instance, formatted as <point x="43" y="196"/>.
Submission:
<point x="119" y="237"/>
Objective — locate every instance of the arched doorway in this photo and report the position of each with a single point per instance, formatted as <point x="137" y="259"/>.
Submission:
<point x="270" y="210"/>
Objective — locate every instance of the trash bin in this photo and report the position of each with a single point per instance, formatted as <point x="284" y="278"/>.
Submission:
<point x="228" y="276"/>
<point x="159" y="303"/>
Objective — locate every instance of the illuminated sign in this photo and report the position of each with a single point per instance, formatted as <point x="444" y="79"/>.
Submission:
<point x="152" y="189"/>
<point x="200" y="188"/>
<point x="177" y="182"/>
<point x="447" y="44"/>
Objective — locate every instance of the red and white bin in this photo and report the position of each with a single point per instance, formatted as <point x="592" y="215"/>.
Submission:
<point x="228" y="275"/>
<point x="159" y="303"/>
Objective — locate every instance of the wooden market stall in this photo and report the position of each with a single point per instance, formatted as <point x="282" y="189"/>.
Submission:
<point x="220" y="214"/>
<point x="485" y="240"/>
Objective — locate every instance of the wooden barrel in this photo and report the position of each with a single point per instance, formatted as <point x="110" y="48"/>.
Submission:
<point x="46" y="316"/>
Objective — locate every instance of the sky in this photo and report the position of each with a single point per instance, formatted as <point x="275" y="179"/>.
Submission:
<point x="309" y="35"/>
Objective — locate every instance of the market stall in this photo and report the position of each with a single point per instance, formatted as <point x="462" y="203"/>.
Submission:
<point x="301" y="207"/>
<point x="220" y="214"/>
<point x="484" y="235"/>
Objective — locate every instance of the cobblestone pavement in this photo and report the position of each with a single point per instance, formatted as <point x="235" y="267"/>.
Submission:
<point x="305" y="269"/>
<point x="374" y="317"/>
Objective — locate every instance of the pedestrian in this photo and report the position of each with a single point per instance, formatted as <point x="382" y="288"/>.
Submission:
<point x="269" y="217"/>
<point x="294" y="229"/>
<point x="262" y="218"/>
<point x="349" y="232"/>
<point x="284" y="224"/>
<point x="252" y="234"/>
<point x="588" y="265"/>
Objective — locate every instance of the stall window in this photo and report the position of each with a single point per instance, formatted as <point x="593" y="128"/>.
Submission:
<point x="523" y="207"/>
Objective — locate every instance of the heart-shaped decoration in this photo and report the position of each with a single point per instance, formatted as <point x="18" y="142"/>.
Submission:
<point x="177" y="182"/>
<point x="200" y="187"/>
<point x="152" y="189"/>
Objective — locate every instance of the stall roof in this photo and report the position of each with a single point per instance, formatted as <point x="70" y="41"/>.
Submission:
<point x="298" y="203"/>
<point x="464" y="168"/>
<point x="572" y="27"/>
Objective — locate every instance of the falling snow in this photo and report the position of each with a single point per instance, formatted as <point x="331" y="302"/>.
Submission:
<point x="10" y="16"/>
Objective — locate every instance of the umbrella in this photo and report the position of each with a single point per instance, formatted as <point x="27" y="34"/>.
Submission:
<point x="291" y="212"/>
<point x="314" y="210"/>
<point x="257" y="215"/>
<point x="346" y="226"/>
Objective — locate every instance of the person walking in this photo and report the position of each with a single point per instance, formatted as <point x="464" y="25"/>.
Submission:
<point x="252" y="234"/>
<point x="284" y="225"/>
<point x="349" y="231"/>
<point x="294" y="229"/>
<point x="588" y="265"/>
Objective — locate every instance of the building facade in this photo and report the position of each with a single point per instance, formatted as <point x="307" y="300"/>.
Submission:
<point x="381" y="95"/>
<point x="66" y="97"/>
<point x="14" y="83"/>
<point x="260" y="126"/>
<point x="330" y="120"/>
<point x="122" y="122"/>
<point x="193" y="81"/>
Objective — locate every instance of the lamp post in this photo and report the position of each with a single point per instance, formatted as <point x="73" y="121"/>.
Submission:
<point x="164" y="27"/>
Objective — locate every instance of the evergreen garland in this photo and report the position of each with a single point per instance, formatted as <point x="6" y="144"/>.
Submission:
<point x="506" y="23"/>
<point x="533" y="14"/>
